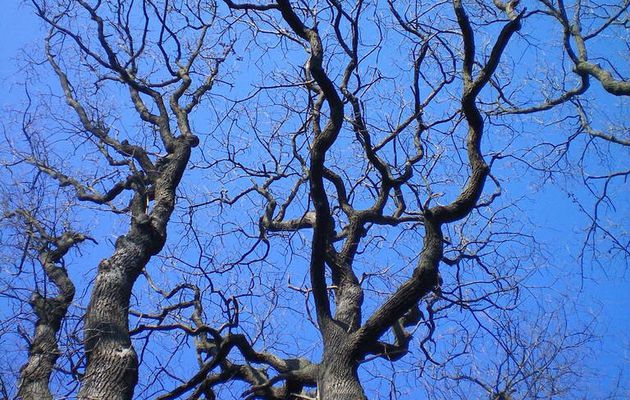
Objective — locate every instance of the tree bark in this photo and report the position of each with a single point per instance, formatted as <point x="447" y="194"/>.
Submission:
<point x="43" y="351"/>
<point x="338" y="378"/>
<point x="112" y="362"/>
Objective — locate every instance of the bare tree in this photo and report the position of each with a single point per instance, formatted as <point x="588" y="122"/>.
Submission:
<point x="145" y="174"/>
<point x="50" y="311"/>
<point x="329" y="177"/>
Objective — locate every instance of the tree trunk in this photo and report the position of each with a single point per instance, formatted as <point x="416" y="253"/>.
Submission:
<point x="337" y="374"/>
<point x="44" y="351"/>
<point x="42" y="355"/>
<point x="112" y="363"/>
<point x="338" y="379"/>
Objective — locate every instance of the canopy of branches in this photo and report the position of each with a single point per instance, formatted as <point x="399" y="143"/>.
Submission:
<point x="332" y="200"/>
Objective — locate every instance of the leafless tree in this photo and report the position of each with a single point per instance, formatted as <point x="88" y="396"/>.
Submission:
<point x="120" y="50"/>
<point x="50" y="311"/>
<point x="307" y="194"/>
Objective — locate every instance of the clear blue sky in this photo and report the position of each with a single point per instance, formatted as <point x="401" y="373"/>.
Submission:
<point x="606" y="292"/>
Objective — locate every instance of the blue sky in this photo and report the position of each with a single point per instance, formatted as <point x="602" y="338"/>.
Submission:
<point x="604" y="292"/>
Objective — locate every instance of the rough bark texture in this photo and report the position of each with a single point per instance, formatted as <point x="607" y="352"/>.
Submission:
<point x="112" y="367"/>
<point x="112" y="362"/>
<point x="50" y="311"/>
<point x="42" y="355"/>
<point x="338" y="379"/>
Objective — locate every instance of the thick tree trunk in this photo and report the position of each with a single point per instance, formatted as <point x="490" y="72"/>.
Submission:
<point x="338" y="379"/>
<point x="112" y="363"/>
<point x="337" y="373"/>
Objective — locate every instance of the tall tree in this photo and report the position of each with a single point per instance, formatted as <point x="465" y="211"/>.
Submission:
<point x="313" y="191"/>
<point x="117" y="43"/>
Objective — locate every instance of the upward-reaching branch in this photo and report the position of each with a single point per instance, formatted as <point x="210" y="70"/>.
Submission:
<point x="425" y="275"/>
<point x="43" y="351"/>
<point x="321" y="143"/>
